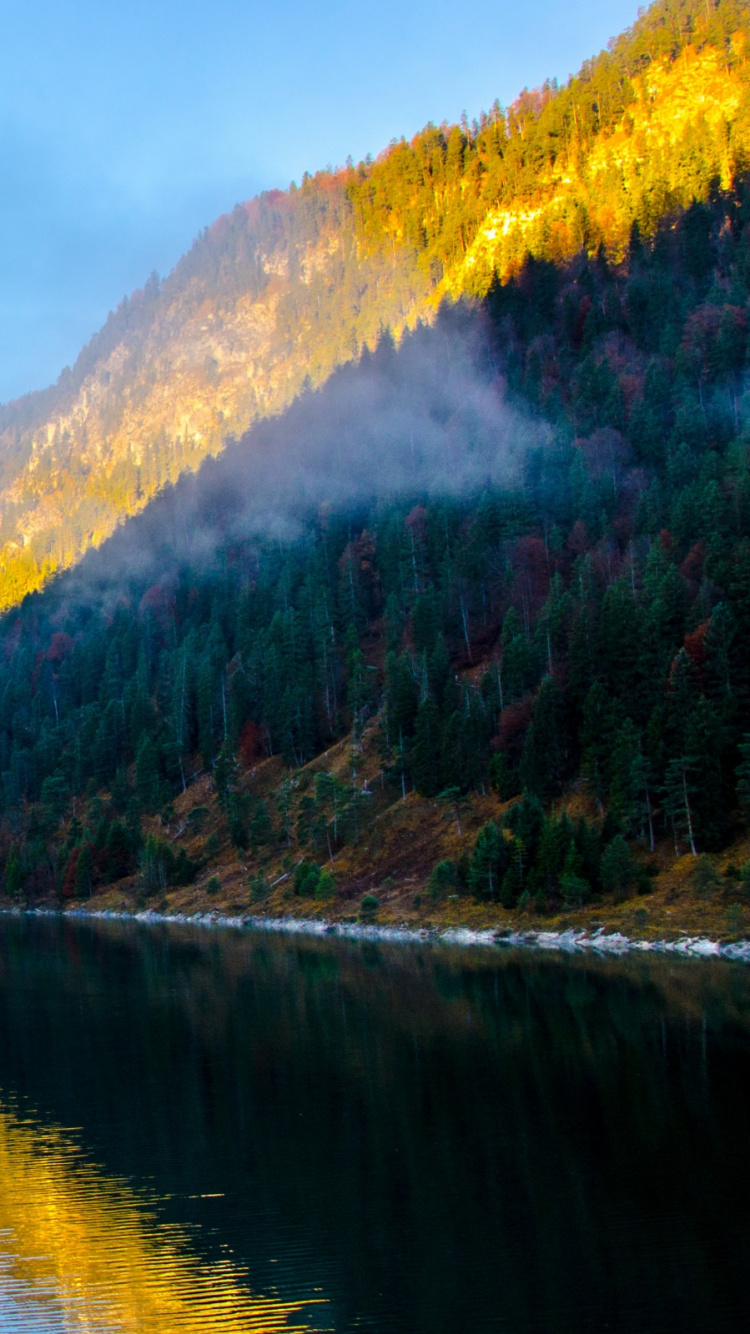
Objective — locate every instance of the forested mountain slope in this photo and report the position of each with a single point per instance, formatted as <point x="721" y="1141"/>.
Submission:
<point x="356" y="678"/>
<point x="293" y="284"/>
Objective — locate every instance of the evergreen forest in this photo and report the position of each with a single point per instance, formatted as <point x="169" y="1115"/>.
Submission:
<point x="535" y="633"/>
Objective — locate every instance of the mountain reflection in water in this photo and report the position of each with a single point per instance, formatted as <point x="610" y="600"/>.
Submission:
<point x="78" y="1250"/>
<point x="301" y="1134"/>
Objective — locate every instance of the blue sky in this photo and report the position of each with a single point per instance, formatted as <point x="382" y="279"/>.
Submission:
<point x="126" y="128"/>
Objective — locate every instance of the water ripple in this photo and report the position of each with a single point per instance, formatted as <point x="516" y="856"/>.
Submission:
<point x="81" y="1251"/>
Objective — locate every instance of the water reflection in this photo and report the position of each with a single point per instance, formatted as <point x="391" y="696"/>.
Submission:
<point x="79" y="1250"/>
<point x="429" y="1140"/>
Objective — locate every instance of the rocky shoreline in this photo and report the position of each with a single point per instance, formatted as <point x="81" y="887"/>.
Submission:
<point x="571" y="941"/>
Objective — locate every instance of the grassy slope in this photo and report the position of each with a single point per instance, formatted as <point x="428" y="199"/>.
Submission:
<point x="400" y="843"/>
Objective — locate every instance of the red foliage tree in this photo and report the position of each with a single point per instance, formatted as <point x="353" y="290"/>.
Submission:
<point x="159" y="600"/>
<point x="513" y="725"/>
<point x="695" y="647"/>
<point x="251" y="743"/>
<point x="531" y="566"/>
<point x="60" y="645"/>
<point x="692" y="566"/>
<point x="578" y="538"/>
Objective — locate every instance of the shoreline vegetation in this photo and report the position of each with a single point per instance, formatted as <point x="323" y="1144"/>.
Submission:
<point x="385" y="886"/>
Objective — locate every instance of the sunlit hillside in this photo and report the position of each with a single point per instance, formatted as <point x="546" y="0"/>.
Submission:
<point x="293" y="284"/>
<point x="686" y="130"/>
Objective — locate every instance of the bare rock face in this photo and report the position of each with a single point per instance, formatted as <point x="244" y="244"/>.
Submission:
<point x="270" y="298"/>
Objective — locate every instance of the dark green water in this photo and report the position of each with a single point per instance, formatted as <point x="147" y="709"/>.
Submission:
<point x="283" y="1133"/>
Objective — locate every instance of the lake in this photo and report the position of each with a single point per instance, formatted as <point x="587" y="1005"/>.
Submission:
<point x="236" y="1131"/>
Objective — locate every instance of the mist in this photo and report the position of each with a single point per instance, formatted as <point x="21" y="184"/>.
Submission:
<point x="424" y="419"/>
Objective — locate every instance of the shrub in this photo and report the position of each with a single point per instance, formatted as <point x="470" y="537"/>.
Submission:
<point x="326" y="886"/>
<point x="735" y="918"/>
<point x="306" y="879"/>
<point x="705" y="879"/>
<point x="214" y="885"/>
<point x="259" y="887"/>
<point x="369" y="907"/>
<point x="197" y="817"/>
<point x="442" y="879"/>
<point x="574" y="889"/>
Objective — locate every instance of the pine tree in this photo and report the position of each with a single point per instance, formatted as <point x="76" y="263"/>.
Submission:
<point x="426" y="759"/>
<point x="488" y="862"/>
<point x="545" y="760"/>
<point x="84" y="882"/>
<point x="13" y="873"/>
<point x="743" y="778"/>
<point x="679" y="794"/>
<point x="597" y="737"/>
<point x="617" y="871"/>
<point x="148" y="784"/>
<point x="511" y="886"/>
<point x="226" y="770"/>
<point x="261" y="826"/>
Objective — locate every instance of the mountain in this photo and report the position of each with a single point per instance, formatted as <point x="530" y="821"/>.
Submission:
<point x="276" y="295"/>
<point x="463" y="618"/>
<point x="472" y="618"/>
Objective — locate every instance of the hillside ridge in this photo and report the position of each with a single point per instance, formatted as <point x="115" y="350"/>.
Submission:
<point x="277" y="294"/>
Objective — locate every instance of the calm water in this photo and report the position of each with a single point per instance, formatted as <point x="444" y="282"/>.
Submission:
<point x="206" y="1132"/>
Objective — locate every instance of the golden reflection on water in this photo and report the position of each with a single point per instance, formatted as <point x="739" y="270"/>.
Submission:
<point x="85" y="1248"/>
